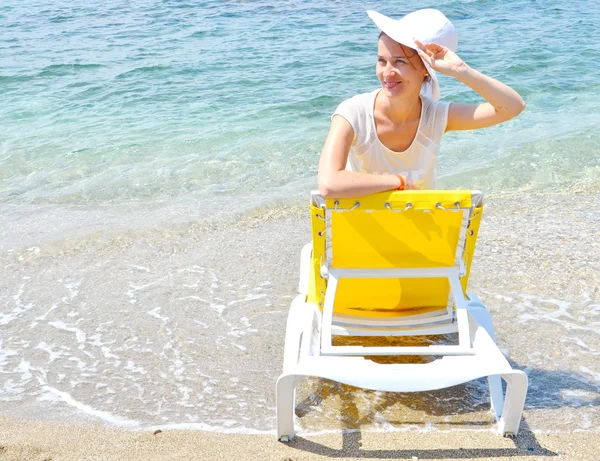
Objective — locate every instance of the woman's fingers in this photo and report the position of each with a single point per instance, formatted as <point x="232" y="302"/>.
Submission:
<point x="441" y="53"/>
<point x="431" y="53"/>
<point x="432" y="50"/>
<point x="423" y="52"/>
<point x="419" y="44"/>
<point x="424" y="48"/>
<point x="410" y="185"/>
<point x="439" y="57"/>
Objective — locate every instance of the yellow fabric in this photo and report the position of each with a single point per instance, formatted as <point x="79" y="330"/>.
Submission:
<point x="372" y="236"/>
<point x="384" y="239"/>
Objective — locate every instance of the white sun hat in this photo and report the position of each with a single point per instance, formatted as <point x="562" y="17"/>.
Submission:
<point x="427" y="26"/>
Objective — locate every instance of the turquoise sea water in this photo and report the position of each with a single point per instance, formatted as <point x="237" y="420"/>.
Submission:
<point x="177" y="106"/>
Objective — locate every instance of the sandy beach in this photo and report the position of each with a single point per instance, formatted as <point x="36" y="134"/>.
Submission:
<point x="34" y="441"/>
<point x="541" y="245"/>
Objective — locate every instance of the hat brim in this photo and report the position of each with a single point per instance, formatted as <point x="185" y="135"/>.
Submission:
<point x="390" y="28"/>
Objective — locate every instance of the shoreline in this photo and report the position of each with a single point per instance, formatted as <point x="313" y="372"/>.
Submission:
<point x="48" y="222"/>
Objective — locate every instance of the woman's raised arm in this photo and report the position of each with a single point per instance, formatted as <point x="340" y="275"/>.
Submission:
<point x="503" y="103"/>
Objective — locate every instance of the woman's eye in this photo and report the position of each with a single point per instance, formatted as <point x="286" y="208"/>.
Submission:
<point x="400" y="61"/>
<point x="381" y="61"/>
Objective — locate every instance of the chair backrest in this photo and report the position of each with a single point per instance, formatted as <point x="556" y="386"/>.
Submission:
<point x="391" y="230"/>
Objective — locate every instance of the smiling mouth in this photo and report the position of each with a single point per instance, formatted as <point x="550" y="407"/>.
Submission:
<point x="390" y="84"/>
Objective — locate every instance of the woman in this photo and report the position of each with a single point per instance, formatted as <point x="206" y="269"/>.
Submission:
<point x="389" y="139"/>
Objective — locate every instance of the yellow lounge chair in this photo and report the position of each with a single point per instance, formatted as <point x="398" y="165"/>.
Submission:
<point x="394" y="264"/>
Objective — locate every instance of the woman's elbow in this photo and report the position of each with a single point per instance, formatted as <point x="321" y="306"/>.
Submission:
<point x="326" y="186"/>
<point x="521" y="107"/>
<point x="325" y="189"/>
<point x="511" y="112"/>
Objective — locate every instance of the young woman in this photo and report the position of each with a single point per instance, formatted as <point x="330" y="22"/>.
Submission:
<point x="389" y="139"/>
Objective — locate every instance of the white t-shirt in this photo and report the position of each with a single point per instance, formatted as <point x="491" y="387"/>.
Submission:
<point x="368" y="154"/>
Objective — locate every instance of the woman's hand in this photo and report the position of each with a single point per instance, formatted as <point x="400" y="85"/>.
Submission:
<point x="440" y="58"/>
<point x="409" y="185"/>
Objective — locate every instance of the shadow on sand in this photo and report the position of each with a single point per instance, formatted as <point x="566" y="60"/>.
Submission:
<point x="525" y="444"/>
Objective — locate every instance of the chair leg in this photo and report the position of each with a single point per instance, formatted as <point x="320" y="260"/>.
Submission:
<point x="298" y="332"/>
<point x="286" y="403"/>
<point x="294" y="329"/>
<point x="516" y="391"/>
<point x="474" y="299"/>
<point x="305" y="260"/>
<point x="496" y="395"/>
<point x="483" y="317"/>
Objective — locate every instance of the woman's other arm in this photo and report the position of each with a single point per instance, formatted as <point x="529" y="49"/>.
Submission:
<point x="503" y="103"/>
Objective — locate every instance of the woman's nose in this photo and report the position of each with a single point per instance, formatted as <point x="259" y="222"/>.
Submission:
<point x="391" y="70"/>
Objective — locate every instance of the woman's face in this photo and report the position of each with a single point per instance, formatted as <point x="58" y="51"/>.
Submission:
<point x="400" y="74"/>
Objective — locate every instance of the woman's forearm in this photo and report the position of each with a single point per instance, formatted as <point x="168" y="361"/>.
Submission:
<point x="503" y="98"/>
<point x="345" y="184"/>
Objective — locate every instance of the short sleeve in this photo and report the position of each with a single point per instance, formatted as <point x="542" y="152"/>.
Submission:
<point x="441" y="118"/>
<point x="350" y="110"/>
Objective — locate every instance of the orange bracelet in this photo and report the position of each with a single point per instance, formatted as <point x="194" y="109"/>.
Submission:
<point x="402" y="182"/>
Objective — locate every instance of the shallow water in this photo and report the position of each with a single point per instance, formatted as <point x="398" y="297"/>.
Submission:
<point x="183" y="327"/>
<point x="140" y="289"/>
